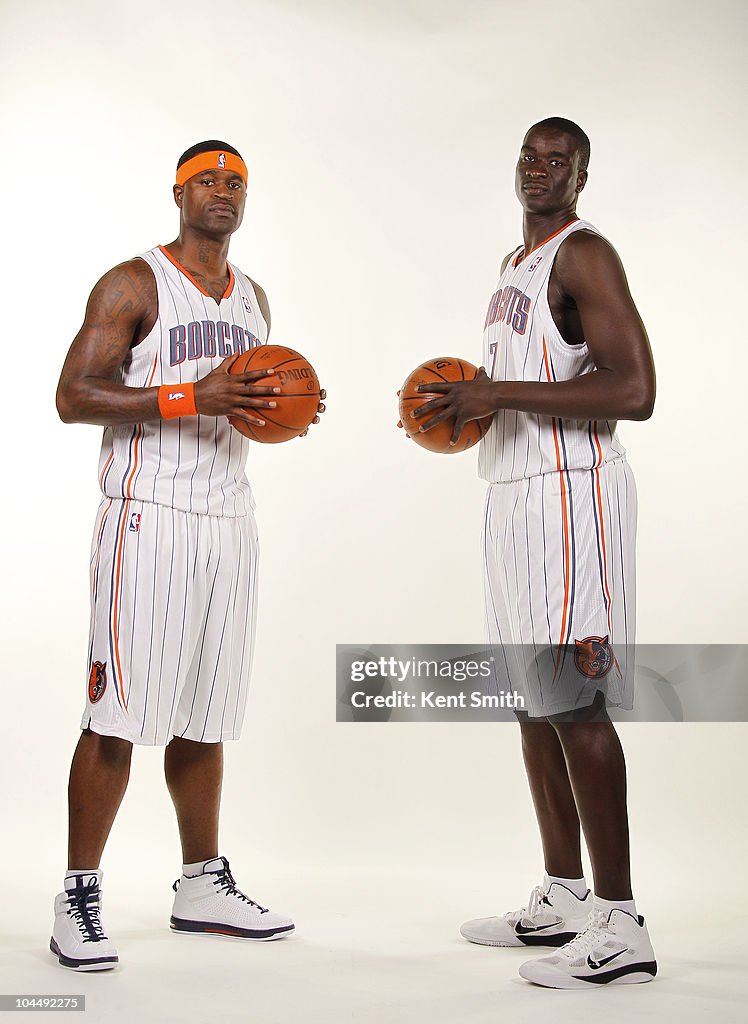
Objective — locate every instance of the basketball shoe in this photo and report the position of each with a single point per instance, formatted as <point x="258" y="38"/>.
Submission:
<point x="212" y="903"/>
<point x="78" y="939"/>
<point x="550" y="918"/>
<point x="612" y="949"/>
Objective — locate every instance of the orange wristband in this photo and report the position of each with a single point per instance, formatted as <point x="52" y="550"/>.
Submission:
<point x="176" y="400"/>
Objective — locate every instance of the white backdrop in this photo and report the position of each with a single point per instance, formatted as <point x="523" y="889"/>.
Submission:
<point x="381" y="141"/>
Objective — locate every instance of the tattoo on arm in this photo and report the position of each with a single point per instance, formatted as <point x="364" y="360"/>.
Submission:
<point x="122" y="306"/>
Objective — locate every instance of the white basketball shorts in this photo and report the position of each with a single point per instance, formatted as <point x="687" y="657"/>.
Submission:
<point x="559" y="586"/>
<point x="173" y="611"/>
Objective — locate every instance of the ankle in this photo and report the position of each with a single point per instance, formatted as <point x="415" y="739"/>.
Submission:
<point x="628" y="906"/>
<point x="576" y="885"/>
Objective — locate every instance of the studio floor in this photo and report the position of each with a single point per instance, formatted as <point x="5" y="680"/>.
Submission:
<point x="369" y="947"/>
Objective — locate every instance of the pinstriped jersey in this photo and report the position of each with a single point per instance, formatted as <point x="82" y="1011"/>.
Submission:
<point x="522" y="342"/>
<point x="194" y="463"/>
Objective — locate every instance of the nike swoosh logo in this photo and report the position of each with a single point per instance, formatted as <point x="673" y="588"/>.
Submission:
<point x="596" y="964"/>
<point x="521" y="929"/>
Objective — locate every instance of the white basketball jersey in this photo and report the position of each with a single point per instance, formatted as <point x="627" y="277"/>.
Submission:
<point x="194" y="463"/>
<point x="522" y="342"/>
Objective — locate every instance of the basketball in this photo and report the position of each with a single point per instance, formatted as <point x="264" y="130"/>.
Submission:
<point x="296" y="405"/>
<point x="443" y="370"/>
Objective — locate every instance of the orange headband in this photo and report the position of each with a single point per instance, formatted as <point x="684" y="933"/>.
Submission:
<point x="211" y="161"/>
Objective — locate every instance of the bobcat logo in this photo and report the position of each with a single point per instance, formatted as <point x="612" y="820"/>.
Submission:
<point x="593" y="656"/>
<point x="97" y="681"/>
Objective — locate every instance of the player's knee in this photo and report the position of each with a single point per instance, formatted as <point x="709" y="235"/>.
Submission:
<point x="533" y="730"/>
<point x="595" y="741"/>
<point x="112" y="749"/>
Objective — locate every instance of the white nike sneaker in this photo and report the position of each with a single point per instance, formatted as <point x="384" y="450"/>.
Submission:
<point x="211" y="903"/>
<point x="550" y="919"/>
<point x="78" y="939"/>
<point x="612" y="950"/>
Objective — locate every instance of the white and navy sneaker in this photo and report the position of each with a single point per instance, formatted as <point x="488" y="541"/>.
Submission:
<point x="78" y="939"/>
<point x="612" y="950"/>
<point x="550" y="918"/>
<point x="211" y="903"/>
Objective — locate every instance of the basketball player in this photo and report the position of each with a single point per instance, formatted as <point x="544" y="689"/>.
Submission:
<point x="567" y="356"/>
<point x="174" y="555"/>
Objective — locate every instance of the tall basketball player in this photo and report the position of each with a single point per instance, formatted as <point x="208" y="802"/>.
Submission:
<point x="567" y="356"/>
<point x="174" y="555"/>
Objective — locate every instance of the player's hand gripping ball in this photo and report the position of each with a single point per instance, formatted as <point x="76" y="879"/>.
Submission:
<point x="298" y="401"/>
<point x="435" y="371"/>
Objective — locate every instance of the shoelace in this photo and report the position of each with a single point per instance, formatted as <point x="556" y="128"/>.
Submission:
<point x="537" y="896"/>
<point x="224" y="881"/>
<point x="84" y="905"/>
<point x="594" y="933"/>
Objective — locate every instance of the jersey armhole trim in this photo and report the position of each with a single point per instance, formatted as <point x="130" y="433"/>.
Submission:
<point x="555" y="336"/>
<point x="250" y="286"/>
<point x="140" y="346"/>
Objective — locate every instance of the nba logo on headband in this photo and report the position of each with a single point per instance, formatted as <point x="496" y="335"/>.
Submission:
<point x="208" y="160"/>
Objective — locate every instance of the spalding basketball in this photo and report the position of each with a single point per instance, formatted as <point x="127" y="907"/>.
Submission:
<point x="436" y="371"/>
<point x="296" y="405"/>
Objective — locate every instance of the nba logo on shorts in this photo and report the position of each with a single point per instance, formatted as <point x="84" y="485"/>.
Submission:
<point x="135" y="522"/>
<point x="221" y="160"/>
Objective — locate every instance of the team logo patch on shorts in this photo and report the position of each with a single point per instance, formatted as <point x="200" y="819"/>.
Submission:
<point x="593" y="656"/>
<point x="97" y="681"/>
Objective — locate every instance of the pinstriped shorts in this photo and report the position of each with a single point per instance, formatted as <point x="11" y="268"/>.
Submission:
<point x="173" y="611"/>
<point x="559" y="580"/>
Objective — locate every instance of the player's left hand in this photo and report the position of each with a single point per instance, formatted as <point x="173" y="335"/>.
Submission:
<point x="320" y="410"/>
<point x="465" y="400"/>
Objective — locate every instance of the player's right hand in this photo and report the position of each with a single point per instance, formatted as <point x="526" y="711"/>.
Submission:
<point x="400" y="422"/>
<point x="221" y="393"/>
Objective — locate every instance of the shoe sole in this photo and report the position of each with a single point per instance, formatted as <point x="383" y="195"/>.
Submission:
<point x="633" y="974"/>
<point x="103" y="963"/>
<point x="178" y="924"/>
<point x="560" y="939"/>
